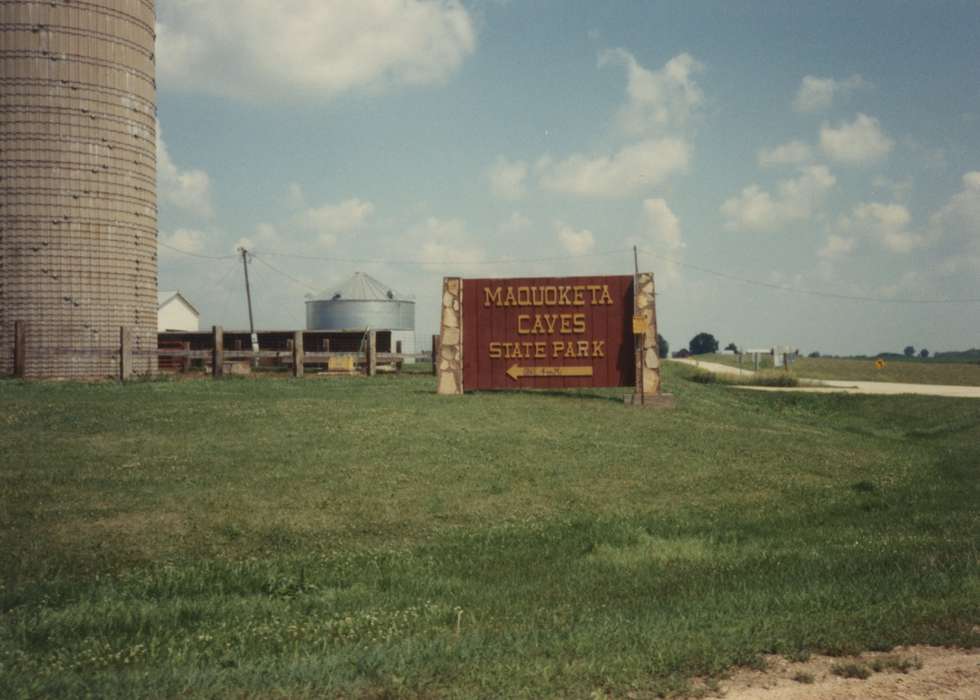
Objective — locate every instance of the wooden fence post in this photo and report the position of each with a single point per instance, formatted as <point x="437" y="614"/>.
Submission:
<point x="218" y="352"/>
<point x="20" y="349"/>
<point x="435" y="355"/>
<point x="298" y="354"/>
<point x="372" y="353"/>
<point x="125" y="353"/>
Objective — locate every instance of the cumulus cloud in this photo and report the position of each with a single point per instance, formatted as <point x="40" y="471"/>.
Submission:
<point x="887" y="224"/>
<point x="818" y="93"/>
<point x="436" y="240"/>
<point x="295" y="197"/>
<point x="796" y="199"/>
<point x="857" y="143"/>
<point x="265" y="237"/>
<point x="331" y="220"/>
<point x="657" y="98"/>
<point x="515" y="223"/>
<point x="507" y="178"/>
<point x="188" y="190"/>
<point x="958" y="221"/>
<point x="635" y="168"/>
<point x="187" y="240"/>
<point x="791" y="153"/>
<point x="836" y="246"/>
<point x="575" y="242"/>
<point x="265" y="48"/>
<point x="663" y="235"/>
<point x="665" y="227"/>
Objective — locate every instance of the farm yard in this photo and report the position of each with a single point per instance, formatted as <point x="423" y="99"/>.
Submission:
<point x="272" y="537"/>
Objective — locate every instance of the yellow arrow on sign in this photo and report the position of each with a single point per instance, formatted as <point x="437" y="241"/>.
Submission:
<point x="516" y="372"/>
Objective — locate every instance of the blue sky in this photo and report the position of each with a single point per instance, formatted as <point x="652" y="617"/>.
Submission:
<point x="824" y="147"/>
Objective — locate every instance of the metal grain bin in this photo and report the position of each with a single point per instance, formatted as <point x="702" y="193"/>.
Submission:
<point x="78" y="219"/>
<point x="361" y="303"/>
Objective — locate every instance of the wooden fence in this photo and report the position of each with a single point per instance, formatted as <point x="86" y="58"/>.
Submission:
<point x="217" y="357"/>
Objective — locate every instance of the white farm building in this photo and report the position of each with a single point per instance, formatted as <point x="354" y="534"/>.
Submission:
<point x="175" y="313"/>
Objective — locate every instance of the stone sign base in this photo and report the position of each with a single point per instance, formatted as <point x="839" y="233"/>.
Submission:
<point x="650" y="401"/>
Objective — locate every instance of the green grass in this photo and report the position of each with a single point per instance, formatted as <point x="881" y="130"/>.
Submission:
<point x="910" y="371"/>
<point x="281" y="538"/>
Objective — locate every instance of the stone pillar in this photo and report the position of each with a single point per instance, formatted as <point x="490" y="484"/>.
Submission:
<point x="646" y="306"/>
<point x="451" y="337"/>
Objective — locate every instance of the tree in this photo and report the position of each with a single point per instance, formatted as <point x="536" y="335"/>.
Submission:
<point x="702" y="344"/>
<point x="923" y="353"/>
<point x="909" y="351"/>
<point x="815" y="353"/>
<point x="732" y="346"/>
<point x="663" y="347"/>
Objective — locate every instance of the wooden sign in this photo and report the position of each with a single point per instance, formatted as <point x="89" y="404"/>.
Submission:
<point x="547" y="333"/>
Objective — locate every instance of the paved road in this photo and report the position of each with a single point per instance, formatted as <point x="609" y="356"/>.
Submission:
<point x="830" y="386"/>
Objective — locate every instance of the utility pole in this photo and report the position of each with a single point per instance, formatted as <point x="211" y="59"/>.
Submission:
<point x="248" y="297"/>
<point x="637" y="339"/>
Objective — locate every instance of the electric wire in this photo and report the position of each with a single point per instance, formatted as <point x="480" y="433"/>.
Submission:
<point x="556" y="258"/>
<point x="810" y="292"/>
<point x="408" y="261"/>
<point x="194" y="255"/>
<point x="284" y="273"/>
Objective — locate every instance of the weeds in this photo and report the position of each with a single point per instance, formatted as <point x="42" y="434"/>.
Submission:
<point x="899" y="664"/>
<point x="762" y="378"/>
<point x="851" y="670"/>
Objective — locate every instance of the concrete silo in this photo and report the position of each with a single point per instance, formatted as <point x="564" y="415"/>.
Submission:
<point x="78" y="220"/>
<point x="364" y="303"/>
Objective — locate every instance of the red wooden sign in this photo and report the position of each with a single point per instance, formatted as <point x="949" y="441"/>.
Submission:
<point x="548" y="332"/>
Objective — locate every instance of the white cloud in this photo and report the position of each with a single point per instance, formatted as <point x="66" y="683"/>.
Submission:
<point x="836" y="246"/>
<point x="885" y="223"/>
<point x="660" y="98"/>
<point x="295" y="197"/>
<point x="437" y="240"/>
<point x="796" y="199"/>
<point x="665" y="227"/>
<point x="331" y="220"/>
<point x="189" y="190"/>
<point x="860" y="142"/>
<point x="187" y="240"/>
<point x="898" y="189"/>
<point x="515" y="223"/>
<point x="958" y="221"/>
<point x="635" y="168"/>
<point x="265" y="238"/>
<point x="575" y="242"/>
<point x="663" y="235"/>
<point x="818" y="93"/>
<point x="791" y="153"/>
<point x="263" y="48"/>
<point x="507" y="178"/>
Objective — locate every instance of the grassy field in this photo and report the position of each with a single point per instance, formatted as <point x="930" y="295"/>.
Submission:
<point x="367" y="538"/>
<point x="911" y="371"/>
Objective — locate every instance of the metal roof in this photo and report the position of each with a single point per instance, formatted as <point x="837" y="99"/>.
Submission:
<point x="362" y="287"/>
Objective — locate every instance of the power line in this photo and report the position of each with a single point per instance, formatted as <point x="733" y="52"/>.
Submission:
<point x="195" y="255"/>
<point x="284" y="274"/>
<point x="498" y="261"/>
<point x="810" y="292"/>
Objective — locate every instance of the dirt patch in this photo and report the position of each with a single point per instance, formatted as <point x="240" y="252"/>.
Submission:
<point x="905" y="673"/>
